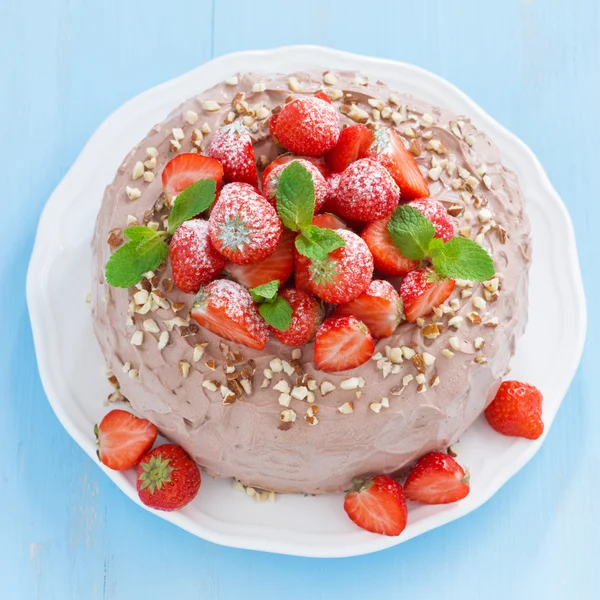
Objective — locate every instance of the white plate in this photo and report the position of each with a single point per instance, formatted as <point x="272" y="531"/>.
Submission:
<point x="70" y="361"/>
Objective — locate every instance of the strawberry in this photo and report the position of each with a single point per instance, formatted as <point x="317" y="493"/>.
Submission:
<point x="123" y="439"/>
<point x="377" y="505"/>
<point x="226" y="308"/>
<point x="308" y="126"/>
<point x="243" y="226"/>
<point x="436" y="212"/>
<point x="328" y="221"/>
<point x="387" y="257"/>
<point x="366" y="192"/>
<point x="306" y="317"/>
<point x="301" y="272"/>
<point x="187" y="168"/>
<point x="516" y="410"/>
<point x="194" y="261"/>
<point x="437" y="479"/>
<point x="379" y="307"/>
<point x="353" y="143"/>
<point x="341" y="343"/>
<point x="232" y="147"/>
<point x="273" y="125"/>
<point x="333" y="183"/>
<point x="279" y="265"/>
<point x="389" y="149"/>
<point x="422" y="290"/>
<point x="323" y="96"/>
<point x="345" y="273"/>
<point x="167" y="478"/>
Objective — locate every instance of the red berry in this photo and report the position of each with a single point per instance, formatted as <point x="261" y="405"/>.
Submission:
<point x="272" y="126"/>
<point x="302" y="272"/>
<point x="389" y="149"/>
<point x="323" y="96"/>
<point x="342" y="343"/>
<point x="333" y="183"/>
<point x="436" y="212"/>
<point x="167" y="478"/>
<point x="226" y="308"/>
<point x="279" y="265"/>
<point x="517" y="410"/>
<point x="308" y="126"/>
<point x="328" y="221"/>
<point x="379" y="307"/>
<point x="306" y="317"/>
<point x="243" y="226"/>
<point x="353" y="143"/>
<point x="366" y="192"/>
<point x="387" y="258"/>
<point x="421" y="291"/>
<point x="123" y="439"/>
<point x="437" y="479"/>
<point x="187" y="168"/>
<point x="232" y="147"/>
<point x="345" y="273"/>
<point x="377" y="505"/>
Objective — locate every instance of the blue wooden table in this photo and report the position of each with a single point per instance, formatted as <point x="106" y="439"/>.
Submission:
<point x="66" y="532"/>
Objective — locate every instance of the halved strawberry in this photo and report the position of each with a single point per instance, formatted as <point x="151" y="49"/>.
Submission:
<point x="342" y="343"/>
<point x="187" y="168"/>
<point x="354" y="142"/>
<point x="232" y="147"/>
<point x="328" y="221"/>
<point x="323" y="96"/>
<point x="379" y="307"/>
<point x="436" y="212"/>
<point x="377" y="505"/>
<point x="437" y="479"/>
<point x="422" y="290"/>
<point x="279" y="265"/>
<point x="389" y="149"/>
<point x="307" y="315"/>
<point x="123" y="439"/>
<point x="226" y="308"/>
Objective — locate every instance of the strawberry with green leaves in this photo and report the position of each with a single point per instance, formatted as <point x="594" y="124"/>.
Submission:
<point x="186" y="169"/>
<point x="307" y="315"/>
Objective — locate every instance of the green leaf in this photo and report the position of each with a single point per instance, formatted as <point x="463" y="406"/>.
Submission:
<point x="145" y="252"/>
<point x="317" y="242"/>
<point x="277" y="314"/>
<point x="411" y="232"/>
<point x="462" y="258"/>
<point x="195" y="199"/>
<point x="435" y="245"/>
<point x="295" y="197"/>
<point x="266" y="292"/>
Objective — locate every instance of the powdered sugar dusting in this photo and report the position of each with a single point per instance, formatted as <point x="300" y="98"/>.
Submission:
<point x="306" y="318"/>
<point x="436" y="212"/>
<point x="381" y="289"/>
<point x="232" y="147"/>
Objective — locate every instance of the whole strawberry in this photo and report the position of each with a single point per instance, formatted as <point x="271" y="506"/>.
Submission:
<point x="516" y="410"/>
<point x="436" y="212"/>
<point x="232" y="147"/>
<point x="306" y="317"/>
<point x="167" y="478"/>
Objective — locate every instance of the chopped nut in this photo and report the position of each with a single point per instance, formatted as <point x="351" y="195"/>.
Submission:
<point x="288" y="415"/>
<point x="163" y="340"/>
<point x="385" y="402"/>
<point x="276" y="365"/>
<point x="419" y="363"/>
<point x="211" y="364"/>
<point x="133" y="373"/>
<point x="296" y="354"/>
<point x="115" y="238"/>
<point x="137" y="338"/>
<point x="358" y="114"/>
<point x="375" y="406"/>
<point x="420" y="378"/>
<point x="493" y="322"/>
<point x="326" y="388"/>
<point x="481" y="360"/>
<point x="148" y="176"/>
<point x="408" y="352"/>
<point x="294" y="84"/>
<point x="434" y="174"/>
<point x="396" y="355"/>
<point x="416" y="147"/>
<point x="349" y="384"/>
<point x="407" y="379"/>
<point x="138" y="170"/>
<point x="334" y="94"/>
<point x="178" y="133"/>
<point x="346" y="408"/>
<point x="174" y="146"/>
<point x="231" y="80"/>
<point x="287" y="367"/>
<point x="455" y="322"/>
<point x="487" y="181"/>
<point x="211" y="106"/>
<point x="282" y="386"/>
<point x="300" y="392"/>
<point x="330" y="79"/>
<point x="467" y="293"/>
<point x="427" y="120"/>
<point x="184" y="368"/>
<point x="479" y="343"/>
<point x="474" y="317"/>
<point x="151" y="326"/>
<point x="268" y="374"/>
<point x="447" y="353"/>
<point x="454" y="342"/>
<point x="479" y="302"/>
<point x="431" y="332"/>
<point x="133" y="193"/>
<point x="152" y="152"/>
<point x="428" y="359"/>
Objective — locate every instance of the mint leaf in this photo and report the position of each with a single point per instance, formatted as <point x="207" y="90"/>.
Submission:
<point x="277" y="314"/>
<point x="295" y="197"/>
<point x="266" y="292"/>
<point x="145" y="252"/>
<point x="411" y="232"/>
<point x="462" y="258"/>
<point x="195" y="199"/>
<point x="317" y="242"/>
<point x="435" y="245"/>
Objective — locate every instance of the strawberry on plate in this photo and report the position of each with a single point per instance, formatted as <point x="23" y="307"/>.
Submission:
<point x="123" y="439"/>
<point x="341" y="343"/>
<point x="437" y="479"/>
<point x="194" y="260"/>
<point x="354" y="142"/>
<point x="328" y="221"/>
<point x="167" y="478"/>
<point x="232" y="147"/>
<point x="187" y="168"/>
<point x="227" y="309"/>
<point x="389" y="149"/>
<point x="516" y="410"/>
<point x="243" y="226"/>
<point x="323" y="96"/>
<point x="306" y="317"/>
<point x="379" y="307"/>
<point x="333" y="183"/>
<point x="377" y="505"/>
<point x="422" y="290"/>
<point x="436" y="212"/>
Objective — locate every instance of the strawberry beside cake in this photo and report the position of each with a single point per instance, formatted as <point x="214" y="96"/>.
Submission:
<point x="307" y="279"/>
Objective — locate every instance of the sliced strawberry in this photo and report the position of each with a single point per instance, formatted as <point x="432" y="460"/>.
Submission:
<point x="389" y="149"/>
<point x="187" y="168"/>
<point x="436" y="212"/>
<point x="232" y="147"/>
<point x="279" y="265"/>
<point x="379" y="307"/>
<point x="123" y="439"/>
<point x="302" y="272"/>
<point x="226" y="308"/>
<point x="354" y="142"/>
<point x="306" y="317"/>
<point x="342" y="343"/>
<point x="437" y="479"/>
<point x="421" y="291"/>
<point x="323" y="96"/>
<point x="377" y="505"/>
<point x="387" y="258"/>
<point x="328" y="221"/>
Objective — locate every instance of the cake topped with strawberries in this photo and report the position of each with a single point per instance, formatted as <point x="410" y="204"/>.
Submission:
<point x="304" y="279"/>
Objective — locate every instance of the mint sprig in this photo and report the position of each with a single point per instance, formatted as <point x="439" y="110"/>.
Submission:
<point x="265" y="292"/>
<point x="317" y="242"/>
<point x="274" y="309"/>
<point x="411" y="232"/>
<point x="193" y="200"/>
